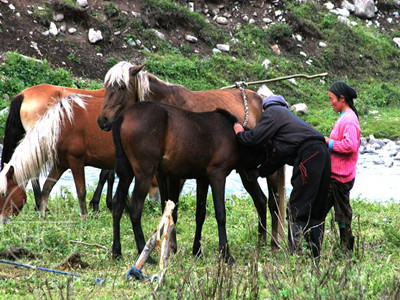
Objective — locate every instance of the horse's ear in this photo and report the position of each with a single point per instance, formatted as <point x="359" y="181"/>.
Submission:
<point x="136" y="69"/>
<point x="10" y="172"/>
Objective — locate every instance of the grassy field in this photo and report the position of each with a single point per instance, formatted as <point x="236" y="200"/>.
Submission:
<point x="371" y="272"/>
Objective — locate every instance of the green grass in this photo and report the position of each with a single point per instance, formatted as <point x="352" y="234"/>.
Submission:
<point x="371" y="272"/>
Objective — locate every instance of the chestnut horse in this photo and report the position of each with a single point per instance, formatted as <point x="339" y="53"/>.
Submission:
<point x="182" y="144"/>
<point x="126" y="84"/>
<point x="26" y="109"/>
<point x="11" y="201"/>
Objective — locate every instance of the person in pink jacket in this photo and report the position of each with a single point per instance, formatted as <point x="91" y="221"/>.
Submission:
<point x="343" y="143"/>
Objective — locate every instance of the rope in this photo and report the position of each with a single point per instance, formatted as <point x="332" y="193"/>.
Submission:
<point x="241" y="85"/>
<point x="98" y="280"/>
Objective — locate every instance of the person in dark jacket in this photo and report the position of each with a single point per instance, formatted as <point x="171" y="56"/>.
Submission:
<point x="290" y="140"/>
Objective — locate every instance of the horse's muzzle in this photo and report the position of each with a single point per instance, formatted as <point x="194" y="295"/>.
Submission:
<point x="104" y="124"/>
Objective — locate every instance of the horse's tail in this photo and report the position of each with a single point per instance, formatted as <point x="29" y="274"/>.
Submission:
<point x="14" y="131"/>
<point x="231" y="118"/>
<point x="37" y="151"/>
<point x="122" y="165"/>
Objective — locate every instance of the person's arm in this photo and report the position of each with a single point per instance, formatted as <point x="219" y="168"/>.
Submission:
<point x="349" y="143"/>
<point x="262" y="132"/>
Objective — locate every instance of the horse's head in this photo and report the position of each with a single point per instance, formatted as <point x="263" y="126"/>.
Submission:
<point x="123" y="87"/>
<point x="12" y="197"/>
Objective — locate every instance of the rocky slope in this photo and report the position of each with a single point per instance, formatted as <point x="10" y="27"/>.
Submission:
<point x="85" y="38"/>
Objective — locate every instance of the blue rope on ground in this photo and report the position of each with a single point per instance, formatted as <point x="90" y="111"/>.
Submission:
<point x="98" y="280"/>
<point x="137" y="274"/>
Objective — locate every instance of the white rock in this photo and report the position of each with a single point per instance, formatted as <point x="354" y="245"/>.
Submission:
<point x="267" y="20"/>
<point x="216" y="51"/>
<point x="344" y="20"/>
<point x="364" y="8"/>
<point x="223" y="47"/>
<point x="264" y="91"/>
<point x="222" y="20"/>
<point x="40" y="8"/>
<point x="396" y="41"/>
<point x="12" y="7"/>
<point x="347" y="5"/>
<point x="341" y="12"/>
<point x="292" y="81"/>
<point x="94" y="35"/>
<point x="266" y="63"/>
<point x="278" y="13"/>
<point x="329" y="5"/>
<point x="302" y="53"/>
<point x="72" y="30"/>
<point x="252" y="21"/>
<point x="58" y="17"/>
<point x="300" y="109"/>
<point x="191" y="6"/>
<point x="191" y="38"/>
<point x="63" y="27"/>
<point x="322" y="45"/>
<point x="82" y="3"/>
<point x="46" y="33"/>
<point x="159" y="34"/>
<point x="53" y="29"/>
<point x="245" y="18"/>
<point x="298" y="37"/>
<point x="136" y="14"/>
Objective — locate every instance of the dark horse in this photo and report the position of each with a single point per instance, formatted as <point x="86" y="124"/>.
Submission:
<point x="126" y="84"/>
<point x="26" y="109"/>
<point x="152" y="138"/>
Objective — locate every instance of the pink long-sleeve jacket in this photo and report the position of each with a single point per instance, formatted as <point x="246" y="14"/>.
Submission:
<point x="344" y="145"/>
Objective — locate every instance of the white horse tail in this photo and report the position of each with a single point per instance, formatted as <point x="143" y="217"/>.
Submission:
<point x="37" y="152"/>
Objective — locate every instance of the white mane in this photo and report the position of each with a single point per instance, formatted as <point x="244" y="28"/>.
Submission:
<point x="37" y="151"/>
<point x="119" y="74"/>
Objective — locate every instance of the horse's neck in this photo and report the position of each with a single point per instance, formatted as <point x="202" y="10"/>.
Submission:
<point x="172" y="94"/>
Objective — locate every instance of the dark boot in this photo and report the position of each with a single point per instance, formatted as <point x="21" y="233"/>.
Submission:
<point x="346" y="236"/>
<point x="315" y="236"/>
<point x="295" y="236"/>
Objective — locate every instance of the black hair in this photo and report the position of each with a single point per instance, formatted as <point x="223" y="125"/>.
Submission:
<point x="340" y="88"/>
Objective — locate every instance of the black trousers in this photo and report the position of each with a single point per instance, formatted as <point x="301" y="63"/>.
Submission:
<point x="339" y="194"/>
<point x="309" y="200"/>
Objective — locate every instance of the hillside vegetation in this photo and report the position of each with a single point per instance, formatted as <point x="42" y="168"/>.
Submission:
<point x="153" y="32"/>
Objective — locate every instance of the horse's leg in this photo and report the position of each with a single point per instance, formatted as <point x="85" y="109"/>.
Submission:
<point x="94" y="203"/>
<point x="51" y="180"/>
<point x="201" y="195"/>
<point x="276" y="204"/>
<point x="118" y="203"/>
<point x="250" y="183"/>
<point x="36" y="192"/>
<point x="218" y="190"/>
<point x="135" y="208"/>
<point x="78" y="172"/>
<point x="173" y="194"/>
<point x="110" y="185"/>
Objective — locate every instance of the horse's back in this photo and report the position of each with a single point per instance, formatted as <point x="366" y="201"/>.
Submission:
<point x="228" y="99"/>
<point x="39" y="98"/>
<point x="187" y="144"/>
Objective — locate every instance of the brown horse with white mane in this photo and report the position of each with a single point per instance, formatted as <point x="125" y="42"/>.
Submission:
<point x="25" y="111"/>
<point x="126" y="84"/>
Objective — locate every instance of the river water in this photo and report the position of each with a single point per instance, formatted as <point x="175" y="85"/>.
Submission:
<point x="375" y="180"/>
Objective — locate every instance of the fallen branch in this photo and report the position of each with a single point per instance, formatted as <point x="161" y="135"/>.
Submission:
<point x="87" y="244"/>
<point x="278" y="79"/>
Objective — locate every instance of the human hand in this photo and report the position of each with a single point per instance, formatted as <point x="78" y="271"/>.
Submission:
<point x="237" y="128"/>
<point x="327" y="140"/>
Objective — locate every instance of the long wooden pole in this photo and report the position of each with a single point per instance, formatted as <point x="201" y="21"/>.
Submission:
<point x="279" y="78"/>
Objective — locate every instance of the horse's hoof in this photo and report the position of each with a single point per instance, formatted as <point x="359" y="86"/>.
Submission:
<point x="116" y="255"/>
